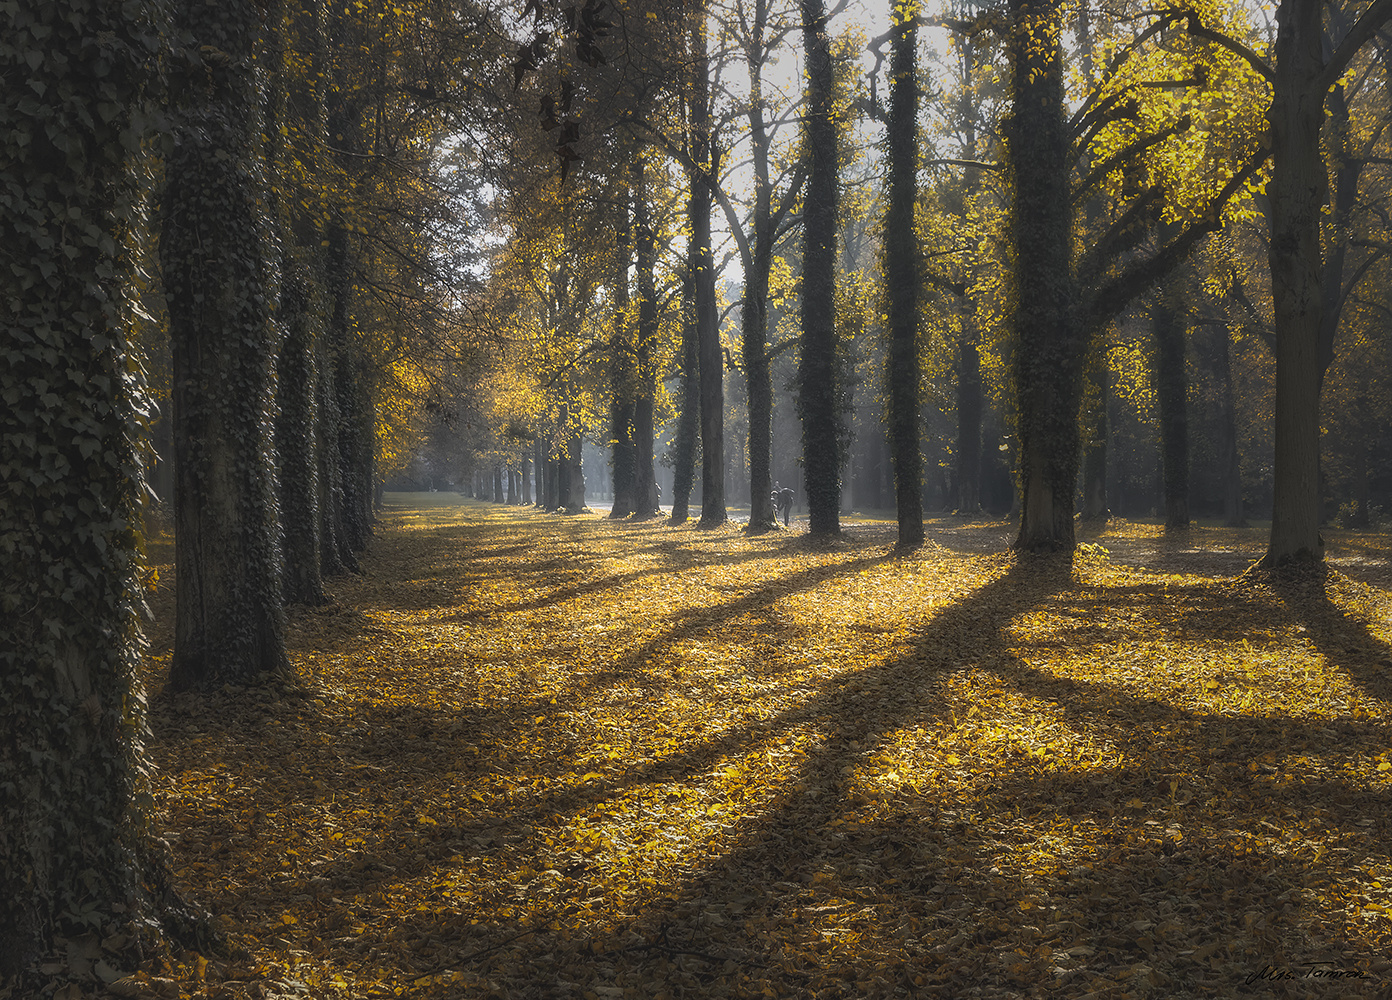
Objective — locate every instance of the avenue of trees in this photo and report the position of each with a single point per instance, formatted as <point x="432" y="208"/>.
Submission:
<point x="265" y="259"/>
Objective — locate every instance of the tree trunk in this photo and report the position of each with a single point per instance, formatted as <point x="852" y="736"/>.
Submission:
<point x="702" y="266"/>
<point x="301" y="312"/>
<point x="1096" y="395"/>
<point x="1297" y="192"/>
<point x="684" y="448"/>
<point x="1171" y="390"/>
<point x="334" y="548"/>
<point x="1362" y="492"/>
<point x="1048" y="345"/>
<point x="230" y="624"/>
<point x="1229" y="462"/>
<point x="645" y="498"/>
<point x="817" y="371"/>
<point x="754" y="313"/>
<point x="77" y="841"/>
<point x="901" y="282"/>
<point x="525" y="482"/>
<point x="574" y="476"/>
<point x="621" y="374"/>
<point x="969" y="409"/>
<point x="356" y="438"/>
<point x="297" y="433"/>
<point x="555" y="492"/>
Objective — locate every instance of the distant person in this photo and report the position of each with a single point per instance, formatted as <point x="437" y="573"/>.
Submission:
<point x="782" y="498"/>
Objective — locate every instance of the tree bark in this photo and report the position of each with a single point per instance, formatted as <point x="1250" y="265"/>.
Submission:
<point x="901" y="281"/>
<point x="230" y="624"/>
<point x="1049" y="345"/>
<point x="817" y="370"/>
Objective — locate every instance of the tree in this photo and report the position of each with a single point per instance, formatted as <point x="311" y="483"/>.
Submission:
<point x="645" y="499"/>
<point x="230" y="624"/>
<point x="77" y="849"/>
<point x="689" y="411"/>
<point x="300" y="114"/>
<point x="901" y="278"/>
<point x="1301" y="80"/>
<point x="756" y="242"/>
<point x="1047" y="331"/>
<point x="705" y="158"/>
<point x="817" y="370"/>
<point x="622" y="377"/>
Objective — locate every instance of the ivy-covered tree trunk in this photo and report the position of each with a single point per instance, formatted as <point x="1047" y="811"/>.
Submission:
<point x="295" y="112"/>
<point x="621" y="374"/>
<point x="901" y="280"/>
<point x="1171" y="390"/>
<point x="297" y="419"/>
<point x="817" y="371"/>
<point x="335" y="552"/>
<point x="702" y="265"/>
<point x="645" y="499"/>
<point x="356" y="436"/>
<point x="688" y="420"/>
<point x="349" y="383"/>
<point x="76" y="839"/>
<point x="303" y="308"/>
<point x="229" y="622"/>
<point x="1049" y="345"/>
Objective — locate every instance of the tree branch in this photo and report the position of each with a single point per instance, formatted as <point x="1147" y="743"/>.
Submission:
<point x="1194" y="26"/>
<point x="1113" y="296"/>
<point x="1363" y="31"/>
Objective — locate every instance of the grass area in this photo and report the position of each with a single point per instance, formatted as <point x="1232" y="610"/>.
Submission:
<point x="538" y="756"/>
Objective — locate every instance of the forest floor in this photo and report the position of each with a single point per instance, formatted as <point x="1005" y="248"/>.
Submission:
<point x="536" y="756"/>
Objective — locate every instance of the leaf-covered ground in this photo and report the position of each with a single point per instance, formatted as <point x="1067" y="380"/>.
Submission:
<point x="536" y="756"/>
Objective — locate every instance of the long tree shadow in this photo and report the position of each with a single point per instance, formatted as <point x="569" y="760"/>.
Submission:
<point x="1345" y="641"/>
<point x="1136" y="905"/>
<point x="812" y="884"/>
